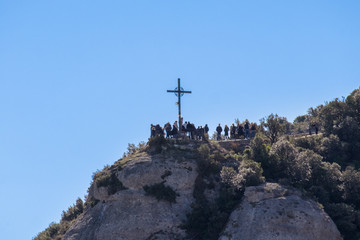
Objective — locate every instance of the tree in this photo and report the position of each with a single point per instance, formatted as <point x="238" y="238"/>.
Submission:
<point x="249" y="174"/>
<point x="351" y="178"/>
<point x="274" y="126"/>
<point x="331" y="116"/>
<point x="353" y="102"/>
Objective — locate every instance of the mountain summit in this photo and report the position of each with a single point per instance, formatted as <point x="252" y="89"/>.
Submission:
<point x="175" y="190"/>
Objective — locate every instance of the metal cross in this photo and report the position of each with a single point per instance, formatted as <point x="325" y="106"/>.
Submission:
<point x="179" y="92"/>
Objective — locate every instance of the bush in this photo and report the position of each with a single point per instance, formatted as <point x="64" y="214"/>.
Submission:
<point x="249" y="174"/>
<point x="155" y="144"/>
<point x="274" y="126"/>
<point x="209" y="163"/>
<point x="346" y="218"/>
<point x="204" y="151"/>
<point x="56" y="231"/>
<point x="206" y="221"/>
<point x="49" y="233"/>
<point x="312" y="143"/>
<point x="351" y="179"/>
<point x="109" y="180"/>
<point x="74" y="211"/>
<point x="331" y="149"/>
<point x="227" y="175"/>
<point x="161" y="192"/>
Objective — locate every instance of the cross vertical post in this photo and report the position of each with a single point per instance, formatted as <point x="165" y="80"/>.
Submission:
<point x="179" y="92"/>
<point x="179" y="102"/>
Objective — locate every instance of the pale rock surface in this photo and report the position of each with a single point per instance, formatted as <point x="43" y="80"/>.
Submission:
<point x="272" y="212"/>
<point x="130" y="214"/>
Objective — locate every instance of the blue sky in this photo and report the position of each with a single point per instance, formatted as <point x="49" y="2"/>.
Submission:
<point x="82" y="79"/>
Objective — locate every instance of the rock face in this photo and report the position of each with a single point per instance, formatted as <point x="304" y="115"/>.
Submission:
<point x="130" y="214"/>
<point x="266" y="212"/>
<point x="271" y="211"/>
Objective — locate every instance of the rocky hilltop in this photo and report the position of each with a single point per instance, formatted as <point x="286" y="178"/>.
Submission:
<point x="170" y="190"/>
<point x="131" y="213"/>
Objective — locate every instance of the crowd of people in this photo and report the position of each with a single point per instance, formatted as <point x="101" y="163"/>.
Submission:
<point x="188" y="129"/>
<point x="240" y="131"/>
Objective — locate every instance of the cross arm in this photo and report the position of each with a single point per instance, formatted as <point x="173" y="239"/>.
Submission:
<point x="175" y="91"/>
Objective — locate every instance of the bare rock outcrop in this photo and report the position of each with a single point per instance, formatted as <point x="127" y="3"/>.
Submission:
<point x="271" y="211"/>
<point x="130" y="213"/>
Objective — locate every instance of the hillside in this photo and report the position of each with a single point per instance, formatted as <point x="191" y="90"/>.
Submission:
<point x="280" y="185"/>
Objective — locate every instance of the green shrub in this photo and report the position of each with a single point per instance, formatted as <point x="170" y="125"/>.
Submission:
<point x="209" y="163"/>
<point x="161" y="192"/>
<point x="351" y="180"/>
<point x="249" y="174"/>
<point x="49" y="233"/>
<point x="74" y="211"/>
<point x="108" y="179"/>
<point x="206" y="221"/>
<point x="56" y="231"/>
<point x="92" y="203"/>
<point x="203" y="151"/>
<point x="132" y="148"/>
<point x="227" y="175"/>
<point x="155" y="144"/>
<point x="346" y="218"/>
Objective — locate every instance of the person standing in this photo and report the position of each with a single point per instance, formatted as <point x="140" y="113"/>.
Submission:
<point x="246" y="127"/>
<point x="219" y="130"/>
<point x="252" y="130"/>
<point x="152" y="130"/>
<point x="202" y="135"/>
<point x="232" y="131"/>
<point x="206" y="129"/>
<point x="174" y="131"/>
<point x="167" y="128"/>
<point x="226" y="130"/>
<point x="240" y="130"/>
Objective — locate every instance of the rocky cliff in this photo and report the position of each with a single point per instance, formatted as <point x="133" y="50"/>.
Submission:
<point x="131" y="213"/>
<point x="270" y="211"/>
<point x="152" y="193"/>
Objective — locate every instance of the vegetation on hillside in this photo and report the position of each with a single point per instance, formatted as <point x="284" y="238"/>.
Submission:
<point x="55" y="231"/>
<point x="161" y="192"/>
<point x="325" y="166"/>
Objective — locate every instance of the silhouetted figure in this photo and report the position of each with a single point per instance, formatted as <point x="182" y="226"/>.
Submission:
<point x="226" y="130"/>
<point x="174" y="131"/>
<point x="206" y="128"/>
<point x="152" y="131"/>
<point x="246" y="130"/>
<point x="219" y="130"/>
<point x="240" y="130"/>
<point x="232" y="131"/>
<point x="316" y="129"/>
<point x="167" y="128"/>
<point x="158" y="130"/>
<point x="193" y="131"/>
<point x="201" y="133"/>
<point x="190" y="130"/>
<point x="183" y="127"/>
<point x="252" y="130"/>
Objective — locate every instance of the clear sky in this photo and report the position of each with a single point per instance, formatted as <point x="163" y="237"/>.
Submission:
<point x="79" y="80"/>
